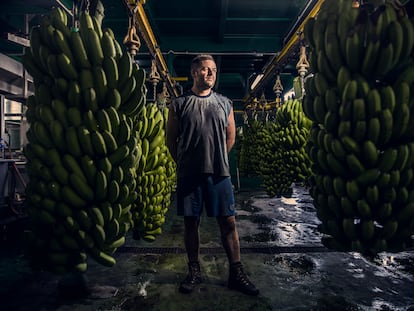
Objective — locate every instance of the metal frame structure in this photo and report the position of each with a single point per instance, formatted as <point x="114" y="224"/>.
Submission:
<point x="145" y="30"/>
<point x="291" y="46"/>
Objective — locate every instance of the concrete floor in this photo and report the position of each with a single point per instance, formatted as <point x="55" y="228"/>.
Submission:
<point x="281" y="252"/>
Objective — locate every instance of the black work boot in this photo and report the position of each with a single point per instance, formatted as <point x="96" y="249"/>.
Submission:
<point x="238" y="280"/>
<point x="193" y="278"/>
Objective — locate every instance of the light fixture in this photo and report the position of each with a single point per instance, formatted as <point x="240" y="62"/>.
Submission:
<point x="355" y="4"/>
<point x="256" y="81"/>
<point x="18" y="39"/>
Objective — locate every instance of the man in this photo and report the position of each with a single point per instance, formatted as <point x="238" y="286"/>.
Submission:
<point x="200" y="134"/>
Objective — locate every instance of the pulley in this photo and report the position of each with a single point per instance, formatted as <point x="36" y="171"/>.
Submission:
<point x="278" y="89"/>
<point x="255" y="106"/>
<point x="302" y="66"/>
<point x="355" y="4"/>
<point x="154" y="78"/>
<point x="263" y="105"/>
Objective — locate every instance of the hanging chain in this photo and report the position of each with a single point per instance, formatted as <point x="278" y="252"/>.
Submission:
<point x="154" y="78"/>
<point x="302" y="67"/>
<point x="131" y="39"/>
<point x="278" y="89"/>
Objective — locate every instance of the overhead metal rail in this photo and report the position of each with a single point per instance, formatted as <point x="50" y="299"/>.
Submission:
<point x="145" y="30"/>
<point x="291" y="46"/>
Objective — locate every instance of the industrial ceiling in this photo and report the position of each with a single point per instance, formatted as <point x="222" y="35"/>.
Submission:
<point x="244" y="36"/>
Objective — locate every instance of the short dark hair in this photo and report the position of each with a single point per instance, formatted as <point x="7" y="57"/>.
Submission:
<point x="195" y="63"/>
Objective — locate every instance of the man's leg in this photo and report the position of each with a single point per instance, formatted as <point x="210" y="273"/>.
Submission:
<point x="230" y="237"/>
<point x="238" y="279"/>
<point x="192" y="246"/>
<point x="192" y="237"/>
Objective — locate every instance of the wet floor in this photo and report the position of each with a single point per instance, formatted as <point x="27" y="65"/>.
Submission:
<point x="281" y="252"/>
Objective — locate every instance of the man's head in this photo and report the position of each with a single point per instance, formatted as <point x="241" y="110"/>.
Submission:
<point x="203" y="71"/>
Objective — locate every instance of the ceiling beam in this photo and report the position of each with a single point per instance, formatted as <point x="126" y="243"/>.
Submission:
<point x="222" y="21"/>
<point x="11" y="66"/>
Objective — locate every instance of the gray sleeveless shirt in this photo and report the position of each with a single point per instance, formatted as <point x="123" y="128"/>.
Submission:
<point x="202" y="123"/>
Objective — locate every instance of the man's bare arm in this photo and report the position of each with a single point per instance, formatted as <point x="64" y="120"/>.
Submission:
<point x="230" y="132"/>
<point x="172" y="133"/>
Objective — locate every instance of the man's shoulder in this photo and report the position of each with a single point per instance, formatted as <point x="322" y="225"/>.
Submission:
<point x="222" y="98"/>
<point x="186" y="94"/>
<point x="181" y="98"/>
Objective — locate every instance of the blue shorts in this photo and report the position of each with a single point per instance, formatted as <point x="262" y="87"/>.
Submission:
<point x="213" y="192"/>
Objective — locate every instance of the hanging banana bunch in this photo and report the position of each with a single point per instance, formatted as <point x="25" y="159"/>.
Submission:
<point x="82" y="149"/>
<point x="274" y="149"/>
<point x="284" y="159"/>
<point x="249" y="160"/>
<point x="155" y="174"/>
<point x="362" y="107"/>
<point x="131" y="39"/>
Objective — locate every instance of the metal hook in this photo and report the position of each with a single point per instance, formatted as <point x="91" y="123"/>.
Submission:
<point x="131" y="39"/>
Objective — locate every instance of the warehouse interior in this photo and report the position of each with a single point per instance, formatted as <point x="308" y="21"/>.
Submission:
<point x="248" y="41"/>
<point x="245" y="38"/>
<point x="257" y="47"/>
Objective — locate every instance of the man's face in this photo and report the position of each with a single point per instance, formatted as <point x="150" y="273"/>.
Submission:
<point x="205" y="75"/>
